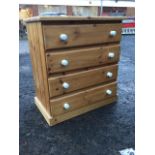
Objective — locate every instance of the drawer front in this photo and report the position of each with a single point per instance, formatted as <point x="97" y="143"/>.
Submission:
<point x="82" y="58"/>
<point x="84" y="98"/>
<point x="60" y="36"/>
<point x="70" y="82"/>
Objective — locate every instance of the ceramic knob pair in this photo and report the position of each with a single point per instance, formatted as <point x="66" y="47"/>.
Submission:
<point x="64" y="37"/>
<point x="65" y="62"/>
<point x="66" y="105"/>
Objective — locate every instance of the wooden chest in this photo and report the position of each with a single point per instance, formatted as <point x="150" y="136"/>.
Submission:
<point x="75" y="64"/>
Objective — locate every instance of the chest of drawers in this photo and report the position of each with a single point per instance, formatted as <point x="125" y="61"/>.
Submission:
<point x="75" y="64"/>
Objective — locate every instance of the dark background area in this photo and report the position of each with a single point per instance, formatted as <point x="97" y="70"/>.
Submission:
<point x="104" y="131"/>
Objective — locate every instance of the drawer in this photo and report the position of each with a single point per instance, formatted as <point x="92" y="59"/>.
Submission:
<point x="82" y="58"/>
<point x="60" y="85"/>
<point x="61" y="36"/>
<point x="84" y="98"/>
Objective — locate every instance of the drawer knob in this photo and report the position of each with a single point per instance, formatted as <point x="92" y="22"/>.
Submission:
<point x="65" y="85"/>
<point x="66" y="106"/>
<point x="109" y="74"/>
<point x="63" y="37"/>
<point x="64" y="62"/>
<point x="113" y="33"/>
<point x="109" y="92"/>
<point x="111" y="55"/>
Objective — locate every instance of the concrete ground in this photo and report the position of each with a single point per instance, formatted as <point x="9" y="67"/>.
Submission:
<point x="104" y="131"/>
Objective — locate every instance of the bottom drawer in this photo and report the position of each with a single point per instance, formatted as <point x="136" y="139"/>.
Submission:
<point x="81" y="99"/>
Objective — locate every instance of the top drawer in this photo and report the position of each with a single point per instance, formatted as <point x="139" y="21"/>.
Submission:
<point x="60" y="36"/>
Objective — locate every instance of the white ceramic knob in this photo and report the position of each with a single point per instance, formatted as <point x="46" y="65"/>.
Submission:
<point x="65" y="85"/>
<point x="66" y="106"/>
<point x="113" y="33"/>
<point x="109" y="74"/>
<point x="108" y="92"/>
<point x="63" y="37"/>
<point x="64" y="62"/>
<point x="111" y="55"/>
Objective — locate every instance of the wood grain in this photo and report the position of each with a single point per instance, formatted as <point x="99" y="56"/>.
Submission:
<point x="36" y="45"/>
<point x="82" y="58"/>
<point x="83" y="98"/>
<point x="81" y="80"/>
<point x="60" y="118"/>
<point x="86" y="50"/>
<point x="87" y="34"/>
<point x="75" y="18"/>
<point x="43" y="111"/>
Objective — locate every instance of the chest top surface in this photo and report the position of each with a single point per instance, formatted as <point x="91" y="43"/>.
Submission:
<point x="74" y="19"/>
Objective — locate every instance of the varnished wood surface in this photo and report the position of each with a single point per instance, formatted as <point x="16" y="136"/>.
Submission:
<point x="75" y="18"/>
<point x="82" y="98"/>
<point x="87" y="34"/>
<point x="43" y="111"/>
<point x="82" y="58"/>
<point x="36" y="46"/>
<point x="87" y="49"/>
<point x="81" y="80"/>
<point x="82" y="110"/>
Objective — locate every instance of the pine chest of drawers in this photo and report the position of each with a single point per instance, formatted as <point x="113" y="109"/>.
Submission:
<point x="75" y="64"/>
